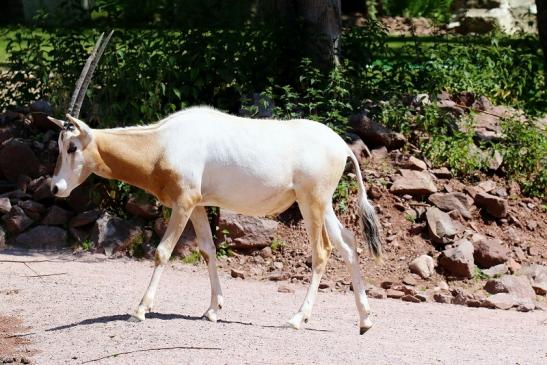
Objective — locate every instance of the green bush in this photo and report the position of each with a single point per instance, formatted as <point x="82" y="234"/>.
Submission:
<point x="148" y="73"/>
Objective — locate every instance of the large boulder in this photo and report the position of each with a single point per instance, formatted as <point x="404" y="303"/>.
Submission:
<point x="494" y="205"/>
<point x="56" y="216"/>
<point x="537" y="274"/>
<point x="5" y="206"/>
<point x="453" y="201"/>
<point x="376" y="134"/>
<point x="33" y="209"/>
<point x="415" y="183"/>
<point x="442" y="229"/>
<point x="246" y="232"/>
<point x="17" y="158"/>
<point x="16" y="221"/>
<point x="112" y="234"/>
<point x="499" y="301"/>
<point x="423" y="265"/>
<point x="458" y="260"/>
<point x="517" y="286"/>
<point x="43" y="237"/>
<point x="142" y="209"/>
<point x="490" y="252"/>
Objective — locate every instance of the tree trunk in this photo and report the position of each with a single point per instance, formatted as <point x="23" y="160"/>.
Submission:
<point x="542" y="27"/>
<point x="322" y="20"/>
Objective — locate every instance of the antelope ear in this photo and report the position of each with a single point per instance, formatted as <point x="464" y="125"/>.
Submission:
<point x="86" y="133"/>
<point x="57" y="122"/>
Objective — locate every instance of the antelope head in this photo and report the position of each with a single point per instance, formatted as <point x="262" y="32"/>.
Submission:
<point x="75" y="161"/>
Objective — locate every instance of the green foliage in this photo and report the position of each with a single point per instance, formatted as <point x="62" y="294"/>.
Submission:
<point x="148" y="73"/>
<point x="439" y="10"/>
<point x="87" y="245"/>
<point x="136" y="248"/>
<point x="193" y="258"/>
<point x="524" y="151"/>
<point x="223" y="250"/>
<point x="278" y="244"/>
<point x="346" y="187"/>
<point x="479" y="275"/>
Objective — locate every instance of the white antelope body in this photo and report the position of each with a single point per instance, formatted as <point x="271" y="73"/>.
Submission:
<point x="202" y="157"/>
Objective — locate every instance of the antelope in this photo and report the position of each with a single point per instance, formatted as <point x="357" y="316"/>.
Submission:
<point x="201" y="157"/>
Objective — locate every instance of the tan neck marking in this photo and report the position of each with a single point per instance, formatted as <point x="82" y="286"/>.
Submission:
<point x="136" y="157"/>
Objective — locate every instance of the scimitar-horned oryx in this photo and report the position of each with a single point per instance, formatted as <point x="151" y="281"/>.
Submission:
<point x="202" y="157"/>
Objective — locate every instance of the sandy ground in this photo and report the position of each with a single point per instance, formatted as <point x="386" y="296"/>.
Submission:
<point x="80" y="317"/>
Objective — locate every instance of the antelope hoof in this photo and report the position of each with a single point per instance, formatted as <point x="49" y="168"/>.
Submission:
<point x="296" y="321"/>
<point x="137" y="317"/>
<point x="211" y="315"/>
<point x="365" y="326"/>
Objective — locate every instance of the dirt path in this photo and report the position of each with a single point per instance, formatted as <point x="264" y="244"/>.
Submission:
<point x="80" y="316"/>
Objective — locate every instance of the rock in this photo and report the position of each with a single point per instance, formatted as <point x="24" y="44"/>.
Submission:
<point x="85" y="218"/>
<point x="487" y="186"/>
<point x="517" y="286"/>
<point x="16" y="221"/>
<point x="386" y="284"/>
<point x="39" y="110"/>
<point x="395" y="294"/>
<point x="416" y="164"/>
<point x="494" y="160"/>
<point x="525" y="305"/>
<point x="495" y="206"/>
<point x="442" y="173"/>
<point x="496" y="270"/>
<point x="423" y="297"/>
<point x="442" y="228"/>
<point x="2" y="239"/>
<point x="411" y="298"/>
<point x="141" y="209"/>
<point x="42" y="189"/>
<point x="442" y="298"/>
<point x="499" y="301"/>
<point x="378" y="154"/>
<point x="56" y="216"/>
<point x="43" y="237"/>
<point x="415" y="183"/>
<point x="17" y="158"/>
<point x="537" y="274"/>
<point x="410" y="280"/>
<point x="377" y="293"/>
<point x="423" y="265"/>
<point x="285" y="289"/>
<point x="453" y="201"/>
<point x="461" y="296"/>
<point x="247" y="232"/>
<point x="458" y="260"/>
<point x="375" y="133"/>
<point x="490" y="252"/>
<point x="5" y="206"/>
<point x="113" y="234"/>
<point x="33" y="209"/>
<point x="358" y="147"/>
<point x="237" y="273"/>
<point x="266" y="252"/>
<point x="278" y="276"/>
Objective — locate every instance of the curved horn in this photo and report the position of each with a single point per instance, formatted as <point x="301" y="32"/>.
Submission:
<point x="86" y="75"/>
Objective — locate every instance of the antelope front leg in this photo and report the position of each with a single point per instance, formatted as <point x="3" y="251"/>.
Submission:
<point x="176" y="224"/>
<point x="208" y="251"/>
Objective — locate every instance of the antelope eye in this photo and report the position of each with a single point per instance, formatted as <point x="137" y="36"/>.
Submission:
<point x="71" y="148"/>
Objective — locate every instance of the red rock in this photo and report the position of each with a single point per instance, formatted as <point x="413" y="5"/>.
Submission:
<point x="415" y="183"/>
<point x="458" y="261"/>
<point x="495" y="206"/>
<point x="490" y="252"/>
<point x="423" y="265"/>
<point x="237" y="273"/>
<point x="395" y="294"/>
<point x="411" y="298"/>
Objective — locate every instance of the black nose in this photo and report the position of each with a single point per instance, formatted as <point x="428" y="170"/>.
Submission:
<point x="54" y="189"/>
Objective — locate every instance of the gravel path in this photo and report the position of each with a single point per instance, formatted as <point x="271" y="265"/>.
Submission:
<point x="80" y="317"/>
